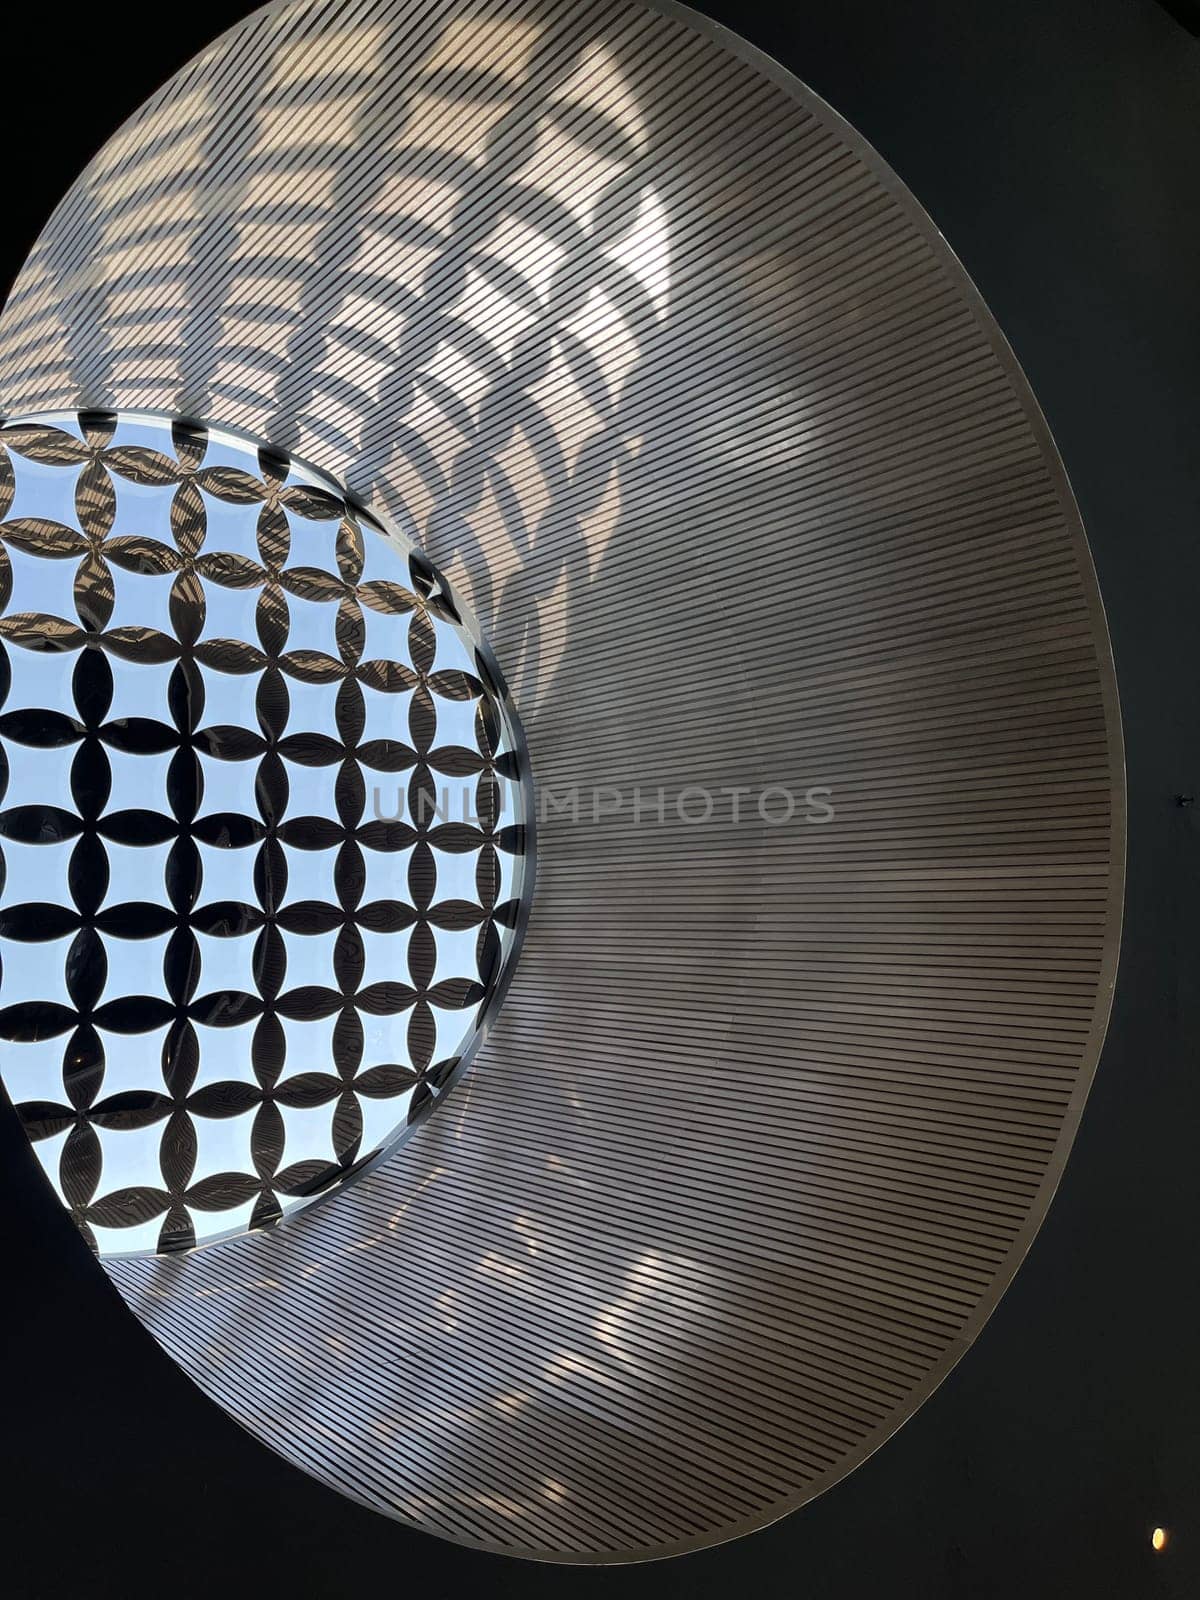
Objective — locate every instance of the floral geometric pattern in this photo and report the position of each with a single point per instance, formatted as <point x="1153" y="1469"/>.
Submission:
<point x="262" y="827"/>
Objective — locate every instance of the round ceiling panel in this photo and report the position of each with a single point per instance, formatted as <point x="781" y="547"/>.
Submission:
<point x="686" y="398"/>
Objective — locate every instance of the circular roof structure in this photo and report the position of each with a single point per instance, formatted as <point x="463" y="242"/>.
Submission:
<point x="675" y="383"/>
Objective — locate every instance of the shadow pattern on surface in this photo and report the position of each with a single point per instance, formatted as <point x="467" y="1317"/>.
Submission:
<point x="681" y="390"/>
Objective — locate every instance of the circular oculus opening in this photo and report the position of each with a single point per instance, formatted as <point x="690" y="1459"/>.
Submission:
<point x="262" y="825"/>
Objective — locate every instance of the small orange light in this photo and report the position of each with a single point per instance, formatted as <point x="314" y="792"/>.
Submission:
<point x="1159" y="1538"/>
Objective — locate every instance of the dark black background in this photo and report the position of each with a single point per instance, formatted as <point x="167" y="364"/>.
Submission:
<point x="1057" y="145"/>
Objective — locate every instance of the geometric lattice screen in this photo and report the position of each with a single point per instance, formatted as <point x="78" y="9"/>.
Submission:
<point x="262" y="827"/>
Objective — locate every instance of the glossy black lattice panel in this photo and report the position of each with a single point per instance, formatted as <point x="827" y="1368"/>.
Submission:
<point x="261" y="827"/>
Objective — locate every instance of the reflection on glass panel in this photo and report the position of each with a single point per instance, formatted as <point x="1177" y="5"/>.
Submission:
<point x="33" y="1070"/>
<point x="226" y="963"/>
<point x="456" y="952"/>
<point x="386" y="636"/>
<point x="132" y="1062"/>
<point x="311" y="875"/>
<point x="311" y="790"/>
<point x="229" y="699"/>
<point x="36" y="775"/>
<point x="35" y="872"/>
<point x="226" y="1147"/>
<point x="228" y="786"/>
<point x="385" y="1041"/>
<point x="387" y="714"/>
<point x="228" y="613"/>
<point x="39" y="585"/>
<point x="309" y="1133"/>
<point x="387" y="874"/>
<point x="45" y="490"/>
<point x="310" y="958"/>
<point x="135" y="873"/>
<point x="230" y="528"/>
<point x="313" y="707"/>
<point x="311" y="625"/>
<point x="138" y="782"/>
<point x="140" y="600"/>
<point x="310" y="1044"/>
<point x="143" y="504"/>
<point x="45" y="683"/>
<point x="238" y="958"/>
<point x="129" y="1158"/>
<point x="226" y="873"/>
<point x="139" y="689"/>
<point x="385" y="956"/>
<point x="223" y="1055"/>
<point x="135" y="966"/>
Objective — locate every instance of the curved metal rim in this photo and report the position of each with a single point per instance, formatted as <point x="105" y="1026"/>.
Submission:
<point x="793" y="86"/>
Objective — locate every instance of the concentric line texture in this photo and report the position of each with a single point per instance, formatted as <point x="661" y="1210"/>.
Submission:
<point x="684" y="392"/>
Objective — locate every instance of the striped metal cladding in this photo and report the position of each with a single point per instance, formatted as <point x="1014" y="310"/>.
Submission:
<point x="689" y="399"/>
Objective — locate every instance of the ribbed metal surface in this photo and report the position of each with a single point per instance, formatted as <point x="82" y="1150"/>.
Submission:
<point x="745" y="490"/>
